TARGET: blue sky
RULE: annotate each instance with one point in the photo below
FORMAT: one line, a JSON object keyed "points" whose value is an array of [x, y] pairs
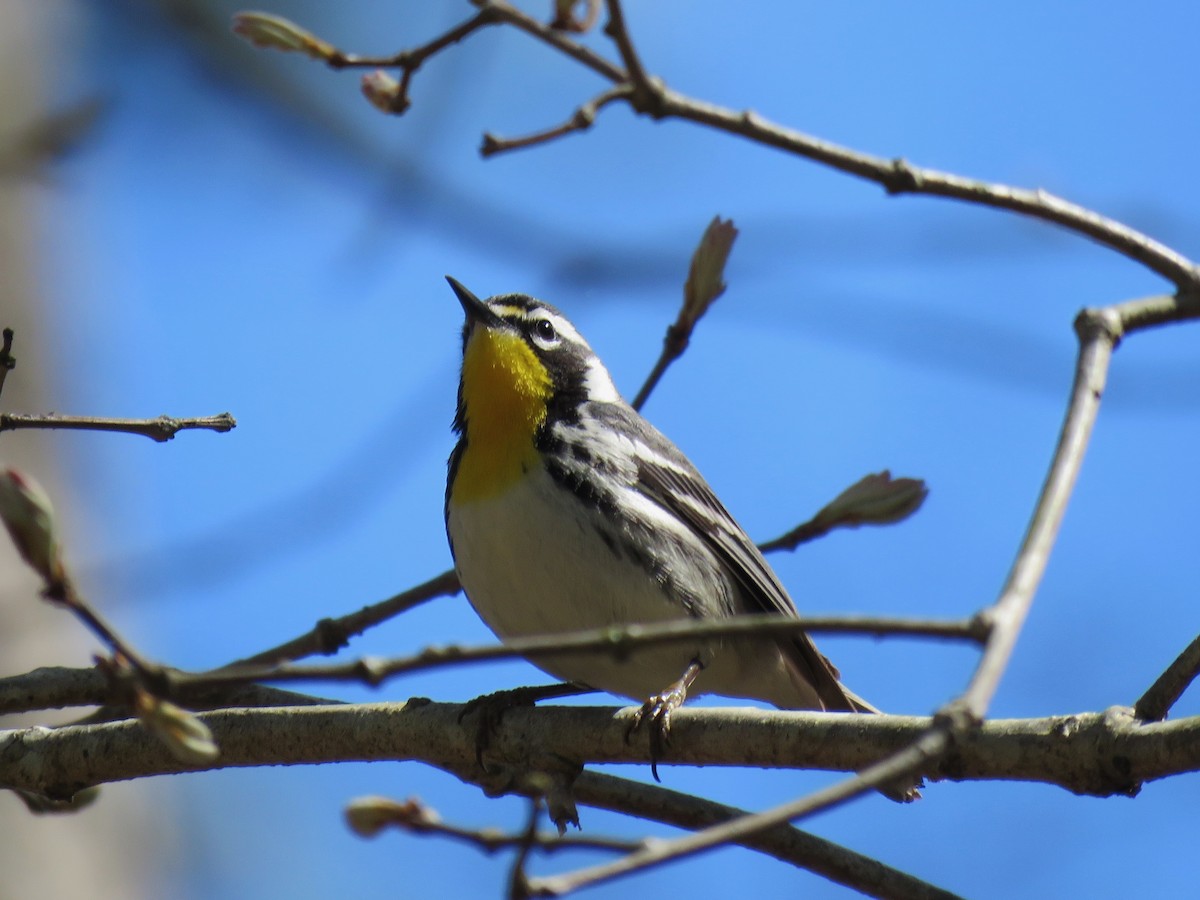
{"points": [[245, 233]]}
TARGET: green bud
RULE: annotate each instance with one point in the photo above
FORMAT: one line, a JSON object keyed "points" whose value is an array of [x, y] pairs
{"points": [[384, 92], [29, 517], [705, 281], [277, 33], [367, 816], [188, 739]]}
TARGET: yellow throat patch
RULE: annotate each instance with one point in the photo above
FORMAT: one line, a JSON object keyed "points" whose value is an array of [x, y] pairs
{"points": [[504, 388]]}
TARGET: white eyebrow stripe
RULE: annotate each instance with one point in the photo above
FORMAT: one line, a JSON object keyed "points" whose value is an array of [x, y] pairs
{"points": [[599, 384]]}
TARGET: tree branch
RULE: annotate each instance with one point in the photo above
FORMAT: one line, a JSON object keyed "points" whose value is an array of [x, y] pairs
{"points": [[618, 641], [927, 746], [784, 842], [896, 176], [1098, 333], [60, 687], [617, 30], [367, 816], [1099, 753], [163, 428], [330, 635], [581, 120], [1154, 705]]}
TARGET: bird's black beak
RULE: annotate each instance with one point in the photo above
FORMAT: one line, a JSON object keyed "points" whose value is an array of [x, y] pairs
{"points": [[477, 311]]}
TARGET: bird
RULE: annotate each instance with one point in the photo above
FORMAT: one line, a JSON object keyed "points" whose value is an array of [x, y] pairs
{"points": [[567, 510]]}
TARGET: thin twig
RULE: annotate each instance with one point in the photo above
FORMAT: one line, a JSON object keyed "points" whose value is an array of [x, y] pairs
{"points": [[7, 361], [784, 842], [163, 428], [581, 120], [618, 641], [53, 687], [330, 635], [369, 815], [64, 594], [1154, 705], [615, 640], [912, 758], [897, 176], [510, 15], [62, 687], [673, 346], [1160, 309], [518, 880], [411, 60], [1098, 331], [617, 30]]}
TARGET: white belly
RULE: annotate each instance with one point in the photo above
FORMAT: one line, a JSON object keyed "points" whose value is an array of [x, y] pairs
{"points": [[535, 584]]}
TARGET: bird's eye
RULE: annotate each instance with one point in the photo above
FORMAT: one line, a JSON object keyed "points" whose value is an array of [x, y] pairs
{"points": [[544, 329]]}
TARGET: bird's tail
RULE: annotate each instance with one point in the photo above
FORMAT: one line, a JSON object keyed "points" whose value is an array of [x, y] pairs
{"points": [[904, 791]]}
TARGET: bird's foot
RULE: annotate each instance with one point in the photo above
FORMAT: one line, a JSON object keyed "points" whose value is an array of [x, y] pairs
{"points": [[492, 707], [656, 712]]}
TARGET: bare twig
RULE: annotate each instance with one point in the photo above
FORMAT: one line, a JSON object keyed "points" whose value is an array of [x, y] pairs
{"points": [[581, 120], [369, 815], [912, 758], [411, 60], [896, 176], [163, 428], [60, 687], [1161, 309], [1154, 705], [64, 594], [650, 97], [785, 843], [510, 15], [330, 635], [518, 880], [53, 687], [616, 29], [618, 641], [1098, 332]]}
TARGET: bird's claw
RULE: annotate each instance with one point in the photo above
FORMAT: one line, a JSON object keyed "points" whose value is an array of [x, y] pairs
{"points": [[656, 713]]}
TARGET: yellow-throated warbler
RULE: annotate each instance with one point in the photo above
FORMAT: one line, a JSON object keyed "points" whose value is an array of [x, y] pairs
{"points": [[567, 510]]}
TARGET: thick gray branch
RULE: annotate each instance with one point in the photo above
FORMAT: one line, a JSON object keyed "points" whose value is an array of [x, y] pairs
{"points": [[1090, 753]]}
